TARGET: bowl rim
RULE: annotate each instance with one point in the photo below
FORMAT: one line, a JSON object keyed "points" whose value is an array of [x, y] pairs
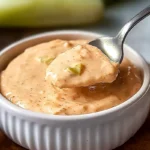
{"points": [[39, 115]]}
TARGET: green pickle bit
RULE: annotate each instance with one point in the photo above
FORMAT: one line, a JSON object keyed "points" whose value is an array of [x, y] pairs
{"points": [[77, 69], [45, 59]]}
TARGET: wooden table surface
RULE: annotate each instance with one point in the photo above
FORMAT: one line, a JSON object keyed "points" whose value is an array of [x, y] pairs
{"points": [[141, 141]]}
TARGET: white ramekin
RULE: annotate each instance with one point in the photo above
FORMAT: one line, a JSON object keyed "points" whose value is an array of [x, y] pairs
{"points": [[103, 130]]}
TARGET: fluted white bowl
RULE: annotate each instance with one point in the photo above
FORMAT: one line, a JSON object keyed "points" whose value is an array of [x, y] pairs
{"points": [[103, 130]]}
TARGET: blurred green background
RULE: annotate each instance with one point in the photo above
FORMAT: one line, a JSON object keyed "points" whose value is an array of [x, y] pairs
{"points": [[51, 13]]}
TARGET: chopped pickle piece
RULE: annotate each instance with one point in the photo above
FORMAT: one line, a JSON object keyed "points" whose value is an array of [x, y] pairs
{"points": [[45, 59], [77, 69]]}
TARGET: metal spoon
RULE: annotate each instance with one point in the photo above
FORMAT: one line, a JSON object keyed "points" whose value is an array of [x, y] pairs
{"points": [[112, 47]]}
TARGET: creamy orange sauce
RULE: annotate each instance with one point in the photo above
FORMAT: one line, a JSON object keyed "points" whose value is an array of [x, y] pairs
{"points": [[83, 65], [23, 83]]}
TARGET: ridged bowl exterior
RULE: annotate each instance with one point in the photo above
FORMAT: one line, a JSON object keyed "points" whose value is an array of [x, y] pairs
{"points": [[104, 130], [84, 135]]}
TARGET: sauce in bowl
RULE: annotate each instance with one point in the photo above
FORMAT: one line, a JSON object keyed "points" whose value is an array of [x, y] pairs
{"points": [[27, 83]]}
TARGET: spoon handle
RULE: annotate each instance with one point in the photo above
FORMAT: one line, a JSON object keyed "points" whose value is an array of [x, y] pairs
{"points": [[125, 30]]}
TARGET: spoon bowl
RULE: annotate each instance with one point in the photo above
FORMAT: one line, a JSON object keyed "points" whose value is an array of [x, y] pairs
{"points": [[112, 47]]}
